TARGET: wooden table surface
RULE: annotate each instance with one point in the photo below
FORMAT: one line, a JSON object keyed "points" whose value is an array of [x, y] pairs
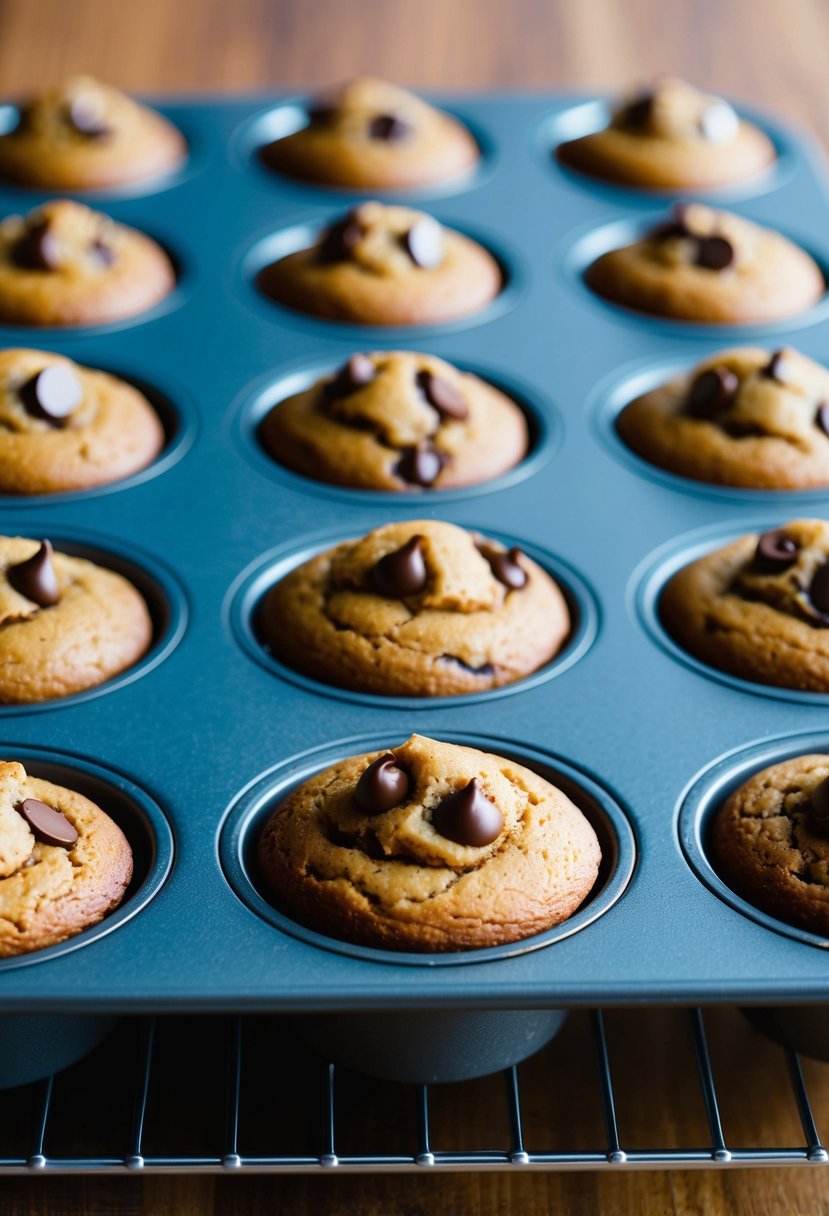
{"points": [[768, 52]]}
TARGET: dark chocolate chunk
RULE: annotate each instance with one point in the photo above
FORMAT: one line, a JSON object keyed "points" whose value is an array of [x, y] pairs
{"points": [[468, 817], [321, 112], [389, 127], [38, 248], [356, 373], [424, 243], [819, 590], [445, 398], [638, 113], [718, 123], [85, 115], [52, 394], [712, 392], [340, 239], [778, 368], [48, 825], [383, 784], [35, 578], [420, 465], [505, 566], [714, 252], [676, 226], [818, 808], [402, 572], [822, 417], [775, 551], [485, 669]]}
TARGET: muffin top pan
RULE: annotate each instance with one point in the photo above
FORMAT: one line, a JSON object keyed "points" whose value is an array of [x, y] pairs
{"points": [[199, 741]]}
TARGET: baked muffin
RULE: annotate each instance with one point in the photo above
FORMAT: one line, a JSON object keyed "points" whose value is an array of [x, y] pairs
{"points": [[710, 266], [84, 135], [420, 609], [744, 417], [770, 842], [672, 137], [393, 420], [382, 265], [758, 608], [428, 847], [64, 264], [64, 864], [67, 624], [370, 135], [65, 427]]}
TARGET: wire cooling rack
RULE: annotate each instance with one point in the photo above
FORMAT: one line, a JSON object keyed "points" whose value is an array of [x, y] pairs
{"points": [[209, 1095]]}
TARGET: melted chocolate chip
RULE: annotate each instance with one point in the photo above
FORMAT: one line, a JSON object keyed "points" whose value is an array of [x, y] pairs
{"points": [[420, 465], [819, 590], [353, 375], [485, 669], [822, 417], [778, 368], [424, 243], [35, 578], [505, 566], [383, 785], [442, 395], [52, 394], [85, 115], [38, 248], [712, 392], [340, 239], [775, 551], [468, 817], [402, 572], [638, 113], [714, 253], [676, 226], [718, 123], [818, 808], [389, 127], [48, 825]]}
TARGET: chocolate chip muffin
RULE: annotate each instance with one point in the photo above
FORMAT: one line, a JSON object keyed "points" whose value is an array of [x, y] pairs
{"points": [[759, 608], [64, 264], [710, 266], [770, 842], [745, 417], [65, 427], [393, 420], [420, 609], [370, 135], [67, 624], [383, 265], [428, 847], [84, 135], [64, 864], [672, 137]]}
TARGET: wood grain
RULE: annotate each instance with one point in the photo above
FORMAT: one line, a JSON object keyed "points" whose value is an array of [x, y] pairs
{"points": [[768, 52]]}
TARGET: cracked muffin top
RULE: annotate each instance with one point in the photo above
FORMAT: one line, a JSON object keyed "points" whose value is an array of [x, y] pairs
{"points": [[65, 427], [746, 417], [672, 137], [770, 841], [64, 864], [392, 420], [386, 265], [85, 135], [371, 135], [429, 846], [710, 266], [420, 608], [758, 608]]}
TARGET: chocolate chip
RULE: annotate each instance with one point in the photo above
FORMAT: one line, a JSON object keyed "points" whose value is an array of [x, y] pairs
{"points": [[638, 113], [677, 226], [321, 112], [38, 248], [778, 368], [505, 566], [468, 817], [718, 123], [103, 252], [48, 825], [340, 239], [402, 572], [440, 393], [24, 120], [819, 590], [355, 374], [424, 243], [52, 394], [714, 252], [822, 417], [85, 115], [383, 784], [712, 392], [420, 465], [389, 127], [775, 551], [35, 578], [818, 808]]}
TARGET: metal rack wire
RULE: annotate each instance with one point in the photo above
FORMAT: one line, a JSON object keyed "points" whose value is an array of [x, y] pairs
{"points": [[41, 1129]]}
